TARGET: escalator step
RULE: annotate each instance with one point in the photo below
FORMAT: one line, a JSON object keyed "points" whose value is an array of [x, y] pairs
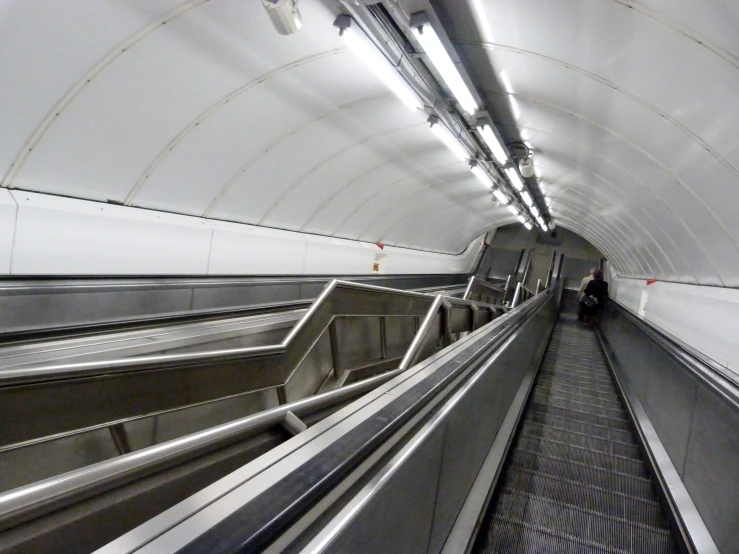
{"points": [[631, 466], [608, 533], [591, 498], [624, 483], [575, 426], [506, 536], [575, 480], [581, 440], [579, 390], [576, 405], [555, 412]]}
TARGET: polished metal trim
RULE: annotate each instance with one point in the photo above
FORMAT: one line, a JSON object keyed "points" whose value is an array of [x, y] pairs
{"points": [[689, 521], [24, 503]]}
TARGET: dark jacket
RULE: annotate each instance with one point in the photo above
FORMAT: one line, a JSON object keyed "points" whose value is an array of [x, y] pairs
{"points": [[598, 289]]}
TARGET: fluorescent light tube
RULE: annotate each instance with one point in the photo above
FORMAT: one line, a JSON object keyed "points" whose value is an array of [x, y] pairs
{"points": [[500, 195], [522, 219], [547, 201], [496, 147], [514, 178], [451, 142], [366, 51], [528, 226], [439, 57], [513, 209], [535, 211], [527, 198]]}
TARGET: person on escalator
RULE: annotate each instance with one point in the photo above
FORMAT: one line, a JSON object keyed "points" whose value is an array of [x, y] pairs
{"points": [[594, 298], [581, 292]]}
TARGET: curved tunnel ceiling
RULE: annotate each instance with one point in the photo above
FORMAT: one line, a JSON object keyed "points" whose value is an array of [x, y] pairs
{"points": [[199, 107], [629, 107]]}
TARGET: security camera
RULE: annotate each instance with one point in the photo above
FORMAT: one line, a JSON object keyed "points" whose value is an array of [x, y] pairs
{"points": [[284, 15]]}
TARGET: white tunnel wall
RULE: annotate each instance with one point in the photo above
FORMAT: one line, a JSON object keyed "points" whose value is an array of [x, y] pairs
{"points": [[43, 234], [702, 317]]}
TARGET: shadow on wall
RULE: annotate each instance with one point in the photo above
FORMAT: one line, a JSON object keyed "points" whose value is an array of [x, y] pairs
{"points": [[508, 242]]}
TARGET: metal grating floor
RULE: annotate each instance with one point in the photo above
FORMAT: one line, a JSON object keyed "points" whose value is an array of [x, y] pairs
{"points": [[574, 480]]}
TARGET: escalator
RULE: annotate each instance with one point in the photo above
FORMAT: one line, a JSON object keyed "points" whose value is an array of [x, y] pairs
{"points": [[575, 480]]}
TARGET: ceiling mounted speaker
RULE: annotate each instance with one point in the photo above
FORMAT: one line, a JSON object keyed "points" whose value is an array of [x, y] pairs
{"points": [[527, 167], [284, 15]]}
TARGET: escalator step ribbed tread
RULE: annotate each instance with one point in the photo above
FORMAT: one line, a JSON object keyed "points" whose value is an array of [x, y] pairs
{"points": [[543, 410], [541, 403], [605, 501], [581, 428], [506, 536], [576, 379], [582, 440], [560, 422], [626, 483], [576, 522], [575, 480], [577, 390], [581, 404]]}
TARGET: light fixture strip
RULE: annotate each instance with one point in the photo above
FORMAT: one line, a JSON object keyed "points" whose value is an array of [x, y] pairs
{"points": [[439, 57], [359, 43], [527, 198], [491, 139], [514, 178]]}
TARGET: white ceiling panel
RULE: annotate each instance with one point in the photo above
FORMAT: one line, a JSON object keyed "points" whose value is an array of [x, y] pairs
{"points": [[342, 205], [265, 182], [230, 136], [49, 48]]}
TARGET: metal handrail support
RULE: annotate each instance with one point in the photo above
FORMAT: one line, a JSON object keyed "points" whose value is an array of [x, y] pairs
{"points": [[561, 265], [525, 277], [507, 288], [517, 295], [482, 283], [551, 269], [538, 287]]}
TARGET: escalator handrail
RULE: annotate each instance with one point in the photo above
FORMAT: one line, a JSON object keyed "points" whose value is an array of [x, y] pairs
{"points": [[30, 501], [696, 363], [17, 287], [64, 371], [142, 323]]}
